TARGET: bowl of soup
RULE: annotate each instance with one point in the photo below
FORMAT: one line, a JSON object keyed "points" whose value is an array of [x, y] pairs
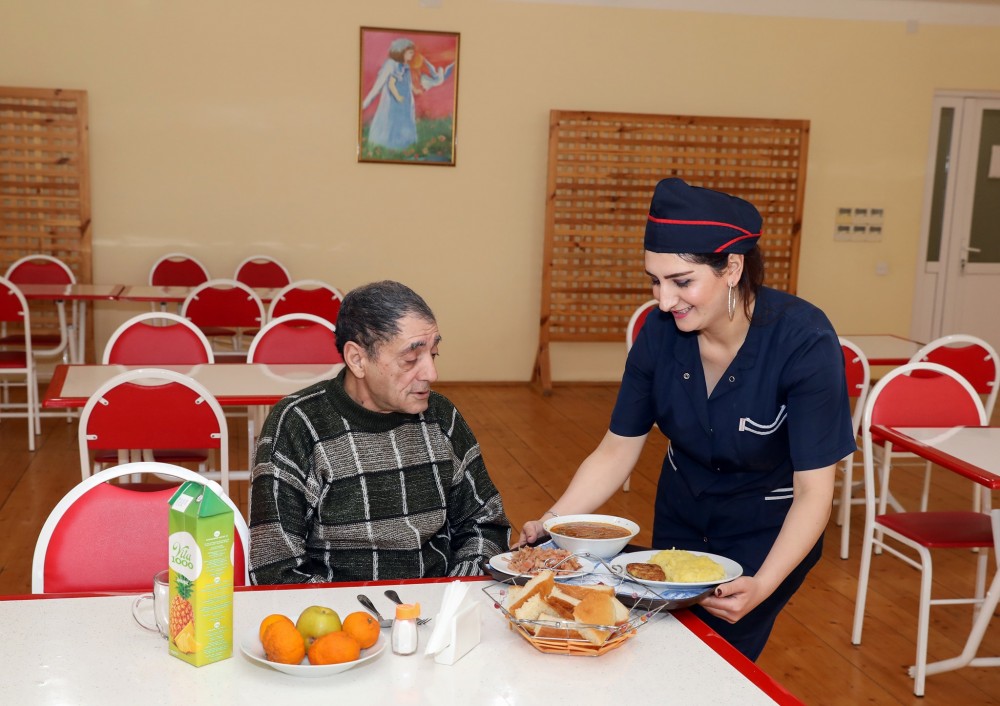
{"points": [[603, 536]]}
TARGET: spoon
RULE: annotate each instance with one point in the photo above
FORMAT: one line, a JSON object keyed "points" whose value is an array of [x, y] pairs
{"points": [[394, 597], [383, 622]]}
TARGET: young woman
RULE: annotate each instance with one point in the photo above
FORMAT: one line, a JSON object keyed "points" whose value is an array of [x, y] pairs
{"points": [[748, 384]]}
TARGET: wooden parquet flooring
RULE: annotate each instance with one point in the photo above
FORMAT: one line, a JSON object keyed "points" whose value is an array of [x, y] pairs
{"points": [[532, 445]]}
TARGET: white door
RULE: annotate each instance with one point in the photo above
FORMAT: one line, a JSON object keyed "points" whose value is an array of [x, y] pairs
{"points": [[958, 278]]}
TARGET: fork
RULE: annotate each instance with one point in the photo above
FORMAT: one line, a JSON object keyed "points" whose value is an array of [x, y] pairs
{"points": [[394, 597], [383, 622]]}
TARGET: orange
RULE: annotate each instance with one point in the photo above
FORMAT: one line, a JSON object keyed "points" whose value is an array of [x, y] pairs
{"points": [[362, 627], [283, 643], [270, 619], [334, 648]]}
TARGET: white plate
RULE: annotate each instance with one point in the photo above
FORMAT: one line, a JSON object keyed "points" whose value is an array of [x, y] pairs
{"points": [[501, 562], [255, 653], [732, 569]]}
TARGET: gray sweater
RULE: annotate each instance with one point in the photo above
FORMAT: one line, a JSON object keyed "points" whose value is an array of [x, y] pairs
{"points": [[341, 493]]}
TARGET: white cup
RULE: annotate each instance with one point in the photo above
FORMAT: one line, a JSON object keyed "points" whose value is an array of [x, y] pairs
{"points": [[161, 605]]}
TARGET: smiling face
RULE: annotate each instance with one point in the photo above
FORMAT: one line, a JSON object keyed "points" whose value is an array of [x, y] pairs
{"points": [[398, 377], [696, 295]]}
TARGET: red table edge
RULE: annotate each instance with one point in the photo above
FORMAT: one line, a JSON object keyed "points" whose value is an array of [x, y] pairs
{"points": [[54, 401], [754, 674], [112, 296], [941, 458]]}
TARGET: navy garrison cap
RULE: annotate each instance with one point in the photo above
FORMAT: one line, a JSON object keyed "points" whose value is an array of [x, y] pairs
{"points": [[690, 219]]}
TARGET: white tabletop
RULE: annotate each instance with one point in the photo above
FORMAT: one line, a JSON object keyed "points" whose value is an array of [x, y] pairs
{"points": [[231, 383], [89, 651], [978, 447], [884, 349]]}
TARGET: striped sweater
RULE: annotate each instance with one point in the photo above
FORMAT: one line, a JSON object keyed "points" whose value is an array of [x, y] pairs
{"points": [[341, 493]]}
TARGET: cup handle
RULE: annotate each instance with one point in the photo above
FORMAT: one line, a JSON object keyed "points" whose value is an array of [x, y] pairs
{"points": [[135, 615]]}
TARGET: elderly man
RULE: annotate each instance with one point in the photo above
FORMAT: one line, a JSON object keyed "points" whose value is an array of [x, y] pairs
{"points": [[372, 475]]}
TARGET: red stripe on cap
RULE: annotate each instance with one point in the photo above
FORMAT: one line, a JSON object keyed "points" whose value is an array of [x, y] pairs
{"points": [[736, 240], [703, 223]]}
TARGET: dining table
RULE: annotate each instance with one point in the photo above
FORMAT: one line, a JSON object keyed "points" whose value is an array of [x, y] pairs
{"points": [[87, 649], [232, 384], [885, 349], [175, 294], [80, 294], [973, 453]]}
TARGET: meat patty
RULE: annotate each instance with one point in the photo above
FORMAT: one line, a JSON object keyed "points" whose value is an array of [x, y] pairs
{"points": [[646, 572]]}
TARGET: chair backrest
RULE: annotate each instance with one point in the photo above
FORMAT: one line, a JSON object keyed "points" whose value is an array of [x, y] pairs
{"points": [[223, 302], [295, 338], [178, 269], [105, 537], [635, 323], [262, 271], [40, 269], [307, 296], [158, 338], [858, 375], [153, 409], [14, 309], [971, 357]]}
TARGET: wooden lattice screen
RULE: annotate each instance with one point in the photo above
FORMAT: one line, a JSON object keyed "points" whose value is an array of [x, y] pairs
{"points": [[601, 174], [45, 182]]}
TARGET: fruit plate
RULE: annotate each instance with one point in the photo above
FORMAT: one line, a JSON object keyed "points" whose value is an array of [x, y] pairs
{"points": [[254, 651]]}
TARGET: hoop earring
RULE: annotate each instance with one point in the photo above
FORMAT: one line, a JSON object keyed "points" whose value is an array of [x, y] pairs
{"points": [[731, 301]]}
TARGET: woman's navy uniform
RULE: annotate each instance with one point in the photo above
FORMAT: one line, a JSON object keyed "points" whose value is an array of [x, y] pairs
{"points": [[726, 483]]}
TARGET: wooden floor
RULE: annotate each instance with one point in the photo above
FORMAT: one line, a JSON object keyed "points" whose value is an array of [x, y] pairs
{"points": [[532, 444]]}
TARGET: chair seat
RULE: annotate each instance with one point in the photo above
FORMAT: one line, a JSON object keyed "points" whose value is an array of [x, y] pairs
{"points": [[211, 331], [13, 359], [941, 530], [109, 456]]}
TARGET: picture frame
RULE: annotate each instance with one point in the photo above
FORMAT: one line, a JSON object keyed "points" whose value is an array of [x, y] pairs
{"points": [[408, 96]]}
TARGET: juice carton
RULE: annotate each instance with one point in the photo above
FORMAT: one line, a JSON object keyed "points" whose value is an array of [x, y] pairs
{"points": [[201, 575]]}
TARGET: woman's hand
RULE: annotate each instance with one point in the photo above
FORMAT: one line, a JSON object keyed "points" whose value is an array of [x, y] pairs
{"points": [[531, 533], [731, 601]]}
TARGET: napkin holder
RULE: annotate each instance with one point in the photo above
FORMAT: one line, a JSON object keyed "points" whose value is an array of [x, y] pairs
{"points": [[464, 635]]}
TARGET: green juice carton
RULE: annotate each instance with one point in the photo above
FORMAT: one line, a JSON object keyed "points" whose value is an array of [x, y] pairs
{"points": [[201, 575]]}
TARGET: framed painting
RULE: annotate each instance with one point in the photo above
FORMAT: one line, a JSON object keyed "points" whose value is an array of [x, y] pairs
{"points": [[408, 98]]}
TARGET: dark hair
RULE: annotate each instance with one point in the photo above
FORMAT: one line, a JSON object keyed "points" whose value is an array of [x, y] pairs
{"points": [[370, 314], [753, 271]]}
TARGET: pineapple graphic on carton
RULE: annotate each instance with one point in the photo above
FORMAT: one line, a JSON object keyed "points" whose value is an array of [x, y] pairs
{"points": [[201, 575]]}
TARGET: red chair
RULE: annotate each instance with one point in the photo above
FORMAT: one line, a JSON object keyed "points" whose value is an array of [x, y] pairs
{"points": [[261, 271], [920, 395], [858, 384], [45, 269], [224, 308], [296, 338], [157, 339], [149, 410], [635, 323], [19, 363], [105, 537], [976, 361], [178, 269], [307, 296]]}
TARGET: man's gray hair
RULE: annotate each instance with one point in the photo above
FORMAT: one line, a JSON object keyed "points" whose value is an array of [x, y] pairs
{"points": [[370, 314]]}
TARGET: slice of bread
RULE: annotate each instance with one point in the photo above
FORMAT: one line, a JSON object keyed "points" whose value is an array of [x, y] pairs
{"points": [[595, 609], [581, 592], [562, 603], [531, 608], [541, 584], [548, 631]]}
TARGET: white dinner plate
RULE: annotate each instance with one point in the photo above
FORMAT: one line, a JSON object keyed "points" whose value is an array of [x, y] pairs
{"points": [[732, 569], [501, 562], [255, 653]]}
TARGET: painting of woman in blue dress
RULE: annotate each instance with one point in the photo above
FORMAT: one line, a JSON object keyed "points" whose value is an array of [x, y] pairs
{"points": [[406, 123]]}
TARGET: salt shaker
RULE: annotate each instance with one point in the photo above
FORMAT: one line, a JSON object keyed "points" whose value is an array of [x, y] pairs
{"points": [[404, 629]]}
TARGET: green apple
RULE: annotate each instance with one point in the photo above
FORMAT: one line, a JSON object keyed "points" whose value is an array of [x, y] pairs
{"points": [[315, 622]]}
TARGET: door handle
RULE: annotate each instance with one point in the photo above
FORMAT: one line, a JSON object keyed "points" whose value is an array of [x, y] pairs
{"points": [[962, 261]]}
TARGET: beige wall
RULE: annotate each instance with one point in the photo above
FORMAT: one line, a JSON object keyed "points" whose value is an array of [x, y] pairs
{"points": [[229, 128]]}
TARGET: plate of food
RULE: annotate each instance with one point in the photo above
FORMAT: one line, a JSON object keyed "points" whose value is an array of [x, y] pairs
{"points": [[254, 651], [528, 561], [676, 568]]}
